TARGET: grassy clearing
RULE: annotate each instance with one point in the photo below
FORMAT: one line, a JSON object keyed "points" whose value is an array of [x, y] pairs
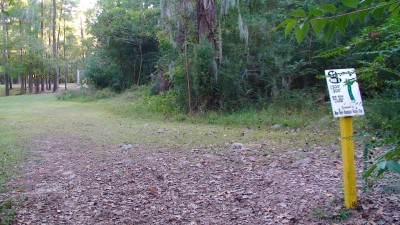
{"points": [[126, 118], [154, 121]]}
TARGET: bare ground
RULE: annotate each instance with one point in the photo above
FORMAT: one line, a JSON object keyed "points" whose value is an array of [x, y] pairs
{"points": [[66, 183]]}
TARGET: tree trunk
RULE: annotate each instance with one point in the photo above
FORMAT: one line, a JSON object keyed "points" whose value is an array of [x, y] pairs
{"points": [[66, 77], [42, 85], [25, 84], [141, 63], [42, 81], [30, 80], [59, 26], [55, 55], [37, 85], [22, 85], [49, 82], [187, 77], [5, 60], [66, 65], [83, 48], [206, 23]]}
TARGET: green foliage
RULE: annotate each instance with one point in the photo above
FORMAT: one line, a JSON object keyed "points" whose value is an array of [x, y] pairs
{"points": [[127, 48], [85, 95], [320, 17], [388, 161], [140, 102], [384, 115], [340, 215], [204, 76], [102, 71]]}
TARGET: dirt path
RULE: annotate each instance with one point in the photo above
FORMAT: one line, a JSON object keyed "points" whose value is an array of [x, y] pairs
{"points": [[75, 179], [106, 186]]}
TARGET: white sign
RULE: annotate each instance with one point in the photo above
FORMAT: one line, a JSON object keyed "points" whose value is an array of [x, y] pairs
{"points": [[344, 92]]}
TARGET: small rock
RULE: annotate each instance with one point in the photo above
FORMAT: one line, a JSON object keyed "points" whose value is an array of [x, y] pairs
{"points": [[98, 215], [276, 127], [126, 147], [282, 204], [237, 145], [245, 212], [161, 130]]}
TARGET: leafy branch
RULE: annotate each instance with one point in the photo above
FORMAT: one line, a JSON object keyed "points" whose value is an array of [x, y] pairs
{"points": [[319, 19]]}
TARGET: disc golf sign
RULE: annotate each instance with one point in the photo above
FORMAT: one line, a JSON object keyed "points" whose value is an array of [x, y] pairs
{"points": [[346, 102], [344, 92]]}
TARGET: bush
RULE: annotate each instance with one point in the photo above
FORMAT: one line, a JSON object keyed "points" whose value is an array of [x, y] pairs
{"points": [[103, 72], [204, 76], [383, 113], [383, 116], [294, 100]]}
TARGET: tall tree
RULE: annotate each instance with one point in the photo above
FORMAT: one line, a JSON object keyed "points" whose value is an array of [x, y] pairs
{"points": [[206, 22], [5, 57], [55, 53]]}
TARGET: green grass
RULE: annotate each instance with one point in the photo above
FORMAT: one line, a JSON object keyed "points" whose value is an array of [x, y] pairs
{"points": [[335, 216], [85, 95], [136, 103]]}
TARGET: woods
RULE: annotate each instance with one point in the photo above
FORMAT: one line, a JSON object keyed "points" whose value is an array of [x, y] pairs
{"points": [[34, 34], [210, 55], [228, 55]]}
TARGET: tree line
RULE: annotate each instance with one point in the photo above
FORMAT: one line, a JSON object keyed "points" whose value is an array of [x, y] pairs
{"points": [[41, 44], [227, 54], [203, 54]]}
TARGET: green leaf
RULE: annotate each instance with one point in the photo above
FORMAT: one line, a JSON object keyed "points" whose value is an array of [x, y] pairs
{"points": [[316, 11], [393, 166], [380, 172], [301, 31], [289, 27], [394, 9], [318, 24], [6, 13], [353, 17], [369, 172], [350, 3], [298, 13], [329, 31], [381, 165], [366, 2], [378, 13], [363, 14], [342, 23], [283, 24], [329, 8]]}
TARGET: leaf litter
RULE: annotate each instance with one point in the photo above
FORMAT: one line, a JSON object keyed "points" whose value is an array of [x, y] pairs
{"points": [[129, 183]]}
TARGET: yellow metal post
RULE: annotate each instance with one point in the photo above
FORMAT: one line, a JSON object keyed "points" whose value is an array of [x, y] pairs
{"points": [[349, 170]]}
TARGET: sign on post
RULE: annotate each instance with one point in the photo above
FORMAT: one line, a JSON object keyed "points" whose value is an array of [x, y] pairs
{"points": [[344, 92], [346, 102]]}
